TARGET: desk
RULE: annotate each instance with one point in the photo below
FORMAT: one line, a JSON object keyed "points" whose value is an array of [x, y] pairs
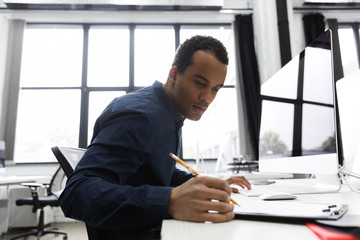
{"points": [[11, 179], [246, 229], [6, 180]]}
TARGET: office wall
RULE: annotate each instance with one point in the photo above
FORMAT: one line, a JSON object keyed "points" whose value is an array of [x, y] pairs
{"points": [[3, 47], [11, 81], [3, 50]]}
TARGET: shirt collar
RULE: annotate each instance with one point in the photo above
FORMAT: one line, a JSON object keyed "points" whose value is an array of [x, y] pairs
{"points": [[160, 92]]}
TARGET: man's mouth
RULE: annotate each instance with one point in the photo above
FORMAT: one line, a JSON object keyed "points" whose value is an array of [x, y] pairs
{"points": [[200, 108]]}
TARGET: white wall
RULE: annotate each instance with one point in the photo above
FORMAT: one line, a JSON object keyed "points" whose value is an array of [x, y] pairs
{"points": [[3, 50]]}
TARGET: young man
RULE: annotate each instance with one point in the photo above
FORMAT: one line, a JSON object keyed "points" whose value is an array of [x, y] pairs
{"points": [[126, 182]]}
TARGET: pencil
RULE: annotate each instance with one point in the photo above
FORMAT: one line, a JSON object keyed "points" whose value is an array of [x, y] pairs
{"points": [[193, 171]]}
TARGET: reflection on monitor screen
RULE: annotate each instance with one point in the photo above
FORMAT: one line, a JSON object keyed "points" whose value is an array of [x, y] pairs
{"points": [[297, 132]]}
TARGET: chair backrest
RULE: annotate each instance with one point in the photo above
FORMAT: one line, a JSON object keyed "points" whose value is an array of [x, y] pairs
{"points": [[57, 183], [68, 157]]}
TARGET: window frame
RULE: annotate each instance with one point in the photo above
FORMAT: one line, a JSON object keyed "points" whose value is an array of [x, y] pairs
{"points": [[86, 90]]}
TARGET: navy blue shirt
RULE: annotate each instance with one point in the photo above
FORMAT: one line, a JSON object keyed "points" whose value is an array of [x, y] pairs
{"points": [[124, 180]]}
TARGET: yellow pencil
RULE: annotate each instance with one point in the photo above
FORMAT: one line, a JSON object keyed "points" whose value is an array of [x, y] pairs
{"points": [[193, 171]]}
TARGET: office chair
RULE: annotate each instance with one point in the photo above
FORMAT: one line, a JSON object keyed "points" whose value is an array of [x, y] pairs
{"points": [[68, 158], [39, 202]]}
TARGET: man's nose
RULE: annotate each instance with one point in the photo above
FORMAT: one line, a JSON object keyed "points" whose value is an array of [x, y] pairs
{"points": [[207, 96]]}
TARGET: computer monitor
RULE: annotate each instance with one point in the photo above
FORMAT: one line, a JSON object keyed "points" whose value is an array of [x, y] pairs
{"points": [[298, 124], [348, 89]]}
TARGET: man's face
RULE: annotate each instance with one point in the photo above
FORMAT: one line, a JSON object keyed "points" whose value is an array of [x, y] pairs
{"points": [[196, 88]]}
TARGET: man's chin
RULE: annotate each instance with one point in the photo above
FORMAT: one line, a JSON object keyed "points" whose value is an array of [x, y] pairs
{"points": [[194, 117]]}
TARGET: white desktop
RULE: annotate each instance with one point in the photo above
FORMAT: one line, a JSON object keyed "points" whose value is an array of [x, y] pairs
{"points": [[257, 229]]}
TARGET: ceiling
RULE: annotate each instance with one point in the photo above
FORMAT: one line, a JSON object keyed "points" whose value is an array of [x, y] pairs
{"points": [[126, 5], [163, 5]]}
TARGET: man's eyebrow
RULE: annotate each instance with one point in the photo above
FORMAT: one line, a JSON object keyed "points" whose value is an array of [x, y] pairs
{"points": [[204, 78]]}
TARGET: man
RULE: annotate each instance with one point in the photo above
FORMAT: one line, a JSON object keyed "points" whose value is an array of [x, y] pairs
{"points": [[126, 182]]}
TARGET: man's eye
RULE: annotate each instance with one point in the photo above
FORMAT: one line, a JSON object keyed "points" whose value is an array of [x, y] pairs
{"points": [[200, 83]]}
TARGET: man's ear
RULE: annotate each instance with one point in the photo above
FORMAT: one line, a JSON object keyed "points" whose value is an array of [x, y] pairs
{"points": [[173, 73]]}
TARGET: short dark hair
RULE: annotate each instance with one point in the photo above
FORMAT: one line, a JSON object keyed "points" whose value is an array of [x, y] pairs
{"points": [[185, 52]]}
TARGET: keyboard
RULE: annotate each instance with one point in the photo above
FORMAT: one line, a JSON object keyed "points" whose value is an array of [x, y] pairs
{"points": [[257, 191]]}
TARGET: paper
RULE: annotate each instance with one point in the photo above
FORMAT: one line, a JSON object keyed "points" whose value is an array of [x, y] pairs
{"points": [[291, 209]]}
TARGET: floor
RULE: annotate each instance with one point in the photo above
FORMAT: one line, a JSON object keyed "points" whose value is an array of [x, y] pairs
{"points": [[75, 231]]}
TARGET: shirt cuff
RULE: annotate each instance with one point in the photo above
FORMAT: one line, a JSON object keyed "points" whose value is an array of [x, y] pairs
{"points": [[158, 201]]}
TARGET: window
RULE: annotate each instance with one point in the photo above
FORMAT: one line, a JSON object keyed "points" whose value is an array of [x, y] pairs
{"points": [[98, 100], [52, 57], [108, 60], [201, 138], [49, 99], [71, 72], [349, 38], [151, 41], [46, 117]]}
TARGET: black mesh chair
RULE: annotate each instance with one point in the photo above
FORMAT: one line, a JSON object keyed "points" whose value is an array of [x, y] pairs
{"points": [[39, 202], [68, 158]]}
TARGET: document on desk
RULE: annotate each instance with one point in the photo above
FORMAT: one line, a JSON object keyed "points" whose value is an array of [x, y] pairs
{"points": [[292, 210]]}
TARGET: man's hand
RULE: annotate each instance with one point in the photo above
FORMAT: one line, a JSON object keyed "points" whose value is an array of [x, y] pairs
{"points": [[240, 181], [193, 200]]}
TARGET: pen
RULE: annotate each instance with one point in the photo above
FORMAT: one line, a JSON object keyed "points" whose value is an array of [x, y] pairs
{"points": [[193, 171]]}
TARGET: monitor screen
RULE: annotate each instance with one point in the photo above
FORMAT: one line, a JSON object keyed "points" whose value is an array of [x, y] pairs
{"points": [[297, 130]]}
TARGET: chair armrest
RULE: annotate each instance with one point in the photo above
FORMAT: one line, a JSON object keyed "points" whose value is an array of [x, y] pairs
{"points": [[37, 185], [34, 193], [47, 186]]}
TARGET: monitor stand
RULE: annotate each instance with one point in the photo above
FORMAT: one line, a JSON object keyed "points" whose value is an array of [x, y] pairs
{"points": [[321, 183], [353, 179]]}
